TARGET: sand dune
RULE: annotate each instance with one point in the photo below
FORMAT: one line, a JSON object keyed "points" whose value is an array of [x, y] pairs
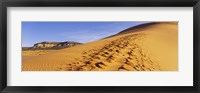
{"points": [[145, 48]]}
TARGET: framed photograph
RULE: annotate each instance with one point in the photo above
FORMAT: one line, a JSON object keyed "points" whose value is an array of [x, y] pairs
{"points": [[133, 46]]}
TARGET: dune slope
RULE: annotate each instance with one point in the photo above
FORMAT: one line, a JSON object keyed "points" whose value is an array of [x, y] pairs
{"points": [[146, 48]]}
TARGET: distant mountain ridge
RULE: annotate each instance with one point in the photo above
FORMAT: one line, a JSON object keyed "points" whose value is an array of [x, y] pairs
{"points": [[52, 45]]}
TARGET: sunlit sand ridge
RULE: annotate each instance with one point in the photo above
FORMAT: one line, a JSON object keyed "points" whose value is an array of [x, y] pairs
{"points": [[151, 47]]}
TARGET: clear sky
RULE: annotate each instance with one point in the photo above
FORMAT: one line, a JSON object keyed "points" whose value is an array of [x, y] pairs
{"points": [[83, 32]]}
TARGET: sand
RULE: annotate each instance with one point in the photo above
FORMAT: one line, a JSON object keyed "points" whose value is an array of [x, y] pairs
{"points": [[150, 48]]}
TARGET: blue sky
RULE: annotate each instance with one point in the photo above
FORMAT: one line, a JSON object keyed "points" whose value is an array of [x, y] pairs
{"points": [[83, 32]]}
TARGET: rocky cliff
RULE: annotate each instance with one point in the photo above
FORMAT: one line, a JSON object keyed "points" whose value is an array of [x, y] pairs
{"points": [[54, 45]]}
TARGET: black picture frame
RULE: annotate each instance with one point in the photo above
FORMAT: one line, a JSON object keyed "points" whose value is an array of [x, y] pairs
{"points": [[99, 3]]}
